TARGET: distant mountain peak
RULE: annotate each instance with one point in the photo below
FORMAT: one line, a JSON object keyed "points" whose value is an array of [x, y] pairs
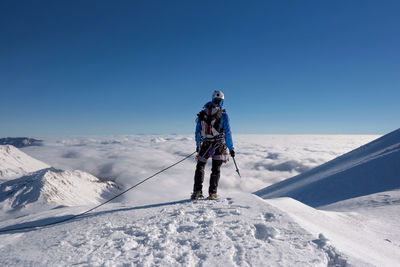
{"points": [[15, 163], [20, 141], [27, 181], [55, 187]]}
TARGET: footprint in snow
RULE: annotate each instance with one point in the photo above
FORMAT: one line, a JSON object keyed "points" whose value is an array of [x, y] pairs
{"points": [[235, 212], [269, 217], [185, 228], [264, 232], [230, 201], [178, 212], [322, 241]]}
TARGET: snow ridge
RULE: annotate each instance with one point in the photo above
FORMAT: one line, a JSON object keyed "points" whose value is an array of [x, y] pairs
{"points": [[372, 168], [30, 182], [54, 187]]}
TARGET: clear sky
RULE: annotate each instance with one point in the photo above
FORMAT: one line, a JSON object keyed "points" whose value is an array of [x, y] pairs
{"points": [[129, 67]]}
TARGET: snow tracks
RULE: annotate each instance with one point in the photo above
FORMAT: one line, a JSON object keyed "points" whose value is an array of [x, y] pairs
{"points": [[241, 230]]}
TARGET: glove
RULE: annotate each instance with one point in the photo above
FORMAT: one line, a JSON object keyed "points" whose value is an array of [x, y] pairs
{"points": [[232, 152], [197, 149]]}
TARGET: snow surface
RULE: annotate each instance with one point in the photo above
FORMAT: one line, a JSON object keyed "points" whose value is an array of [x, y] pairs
{"points": [[53, 187], [359, 194], [15, 163], [155, 224], [347, 232], [241, 230], [372, 168]]}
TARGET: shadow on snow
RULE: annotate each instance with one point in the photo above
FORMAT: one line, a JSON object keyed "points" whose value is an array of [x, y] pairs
{"points": [[51, 221]]}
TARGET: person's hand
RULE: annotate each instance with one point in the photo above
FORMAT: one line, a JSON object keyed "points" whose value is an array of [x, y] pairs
{"points": [[232, 152], [197, 149]]}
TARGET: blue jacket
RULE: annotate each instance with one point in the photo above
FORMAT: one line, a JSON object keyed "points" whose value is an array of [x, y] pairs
{"points": [[224, 125]]}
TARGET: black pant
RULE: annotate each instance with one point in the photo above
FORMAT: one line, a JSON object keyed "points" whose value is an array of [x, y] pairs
{"points": [[214, 178], [215, 169]]}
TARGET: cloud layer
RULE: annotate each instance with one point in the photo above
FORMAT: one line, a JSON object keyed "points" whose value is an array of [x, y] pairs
{"points": [[262, 159]]}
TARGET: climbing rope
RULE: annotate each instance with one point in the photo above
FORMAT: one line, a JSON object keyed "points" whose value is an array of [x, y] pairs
{"points": [[98, 206]]}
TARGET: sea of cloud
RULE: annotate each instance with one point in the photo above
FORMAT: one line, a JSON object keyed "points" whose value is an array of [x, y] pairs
{"points": [[262, 159]]}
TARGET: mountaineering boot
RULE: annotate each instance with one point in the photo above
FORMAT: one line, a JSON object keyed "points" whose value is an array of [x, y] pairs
{"points": [[212, 196], [196, 195]]}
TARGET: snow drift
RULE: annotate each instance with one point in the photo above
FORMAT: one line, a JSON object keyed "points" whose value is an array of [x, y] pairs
{"points": [[15, 163], [372, 168]]}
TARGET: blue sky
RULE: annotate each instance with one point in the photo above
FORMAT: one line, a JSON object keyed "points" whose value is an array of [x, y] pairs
{"points": [[129, 67]]}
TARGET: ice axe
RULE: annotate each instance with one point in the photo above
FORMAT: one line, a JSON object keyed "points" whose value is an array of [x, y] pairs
{"points": [[237, 169]]}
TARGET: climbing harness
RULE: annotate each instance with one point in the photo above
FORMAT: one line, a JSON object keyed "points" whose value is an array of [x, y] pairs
{"points": [[212, 147]]}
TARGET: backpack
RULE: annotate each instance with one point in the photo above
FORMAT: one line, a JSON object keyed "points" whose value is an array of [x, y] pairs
{"points": [[210, 121]]}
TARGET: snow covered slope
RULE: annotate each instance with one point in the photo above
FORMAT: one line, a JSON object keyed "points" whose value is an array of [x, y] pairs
{"points": [[351, 233], [15, 163], [30, 182], [380, 213], [241, 230], [372, 168], [54, 187]]}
